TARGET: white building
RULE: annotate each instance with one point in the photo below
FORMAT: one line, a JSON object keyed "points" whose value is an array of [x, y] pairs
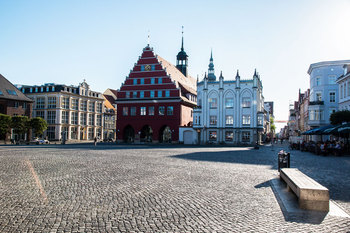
{"points": [[344, 89], [73, 112], [230, 111], [324, 93]]}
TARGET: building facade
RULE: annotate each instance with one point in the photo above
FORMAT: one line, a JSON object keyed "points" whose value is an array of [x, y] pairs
{"points": [[344, 89], [229, 111], [110, 117], [155, 99], [324, 91], [13, 103], [72, 112]]}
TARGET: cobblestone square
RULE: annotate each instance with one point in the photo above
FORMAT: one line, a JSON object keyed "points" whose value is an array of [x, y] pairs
{"points": [[119, 188]]}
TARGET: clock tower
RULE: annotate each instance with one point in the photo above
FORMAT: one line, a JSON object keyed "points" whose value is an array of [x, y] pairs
{"points": [[182, 59]]}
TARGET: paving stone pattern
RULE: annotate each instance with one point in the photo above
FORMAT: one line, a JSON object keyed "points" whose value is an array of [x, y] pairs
{"points": [[157, 189]]}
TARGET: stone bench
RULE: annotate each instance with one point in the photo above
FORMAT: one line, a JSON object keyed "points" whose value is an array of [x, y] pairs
{"points": [[311, 195]]}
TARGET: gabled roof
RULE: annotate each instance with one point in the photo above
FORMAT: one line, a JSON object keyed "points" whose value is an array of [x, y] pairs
{"points": [[187, 84], [6, 86], [109, 101]]}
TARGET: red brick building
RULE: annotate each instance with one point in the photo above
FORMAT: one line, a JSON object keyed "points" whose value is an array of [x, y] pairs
{"points": [[155, 99], [13, 103]]}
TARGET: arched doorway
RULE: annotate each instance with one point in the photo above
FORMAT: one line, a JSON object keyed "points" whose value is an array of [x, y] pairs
{"points": [[146, 134], [129, 134], [165, 134]]}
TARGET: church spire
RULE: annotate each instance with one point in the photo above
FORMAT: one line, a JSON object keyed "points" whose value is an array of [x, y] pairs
{"points": [[211, 72], [182, 58]]}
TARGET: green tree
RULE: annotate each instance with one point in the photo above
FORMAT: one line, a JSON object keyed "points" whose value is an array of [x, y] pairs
{"points": [[272, 125], [339, 117], [39, 125], [20, 124], [5, 122]]}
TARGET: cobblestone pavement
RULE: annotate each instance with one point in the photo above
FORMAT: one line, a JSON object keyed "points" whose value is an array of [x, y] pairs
{"points": [[81, 188]]}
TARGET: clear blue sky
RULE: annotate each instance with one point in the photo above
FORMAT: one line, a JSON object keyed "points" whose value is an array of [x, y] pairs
{"points": [[66, 41]]}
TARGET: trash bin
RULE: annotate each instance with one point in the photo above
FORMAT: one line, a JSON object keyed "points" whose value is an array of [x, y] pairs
{"points": [[283, 160]]}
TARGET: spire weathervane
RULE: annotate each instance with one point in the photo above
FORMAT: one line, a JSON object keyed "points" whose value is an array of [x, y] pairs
{"points": [[148, 39], [182, 45]]}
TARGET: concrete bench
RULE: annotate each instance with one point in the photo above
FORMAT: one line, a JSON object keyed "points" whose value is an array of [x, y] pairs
{"points": [[311, 195]]}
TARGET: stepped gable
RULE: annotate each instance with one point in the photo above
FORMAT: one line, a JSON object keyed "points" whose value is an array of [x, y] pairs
{"points": [[7, 85]]}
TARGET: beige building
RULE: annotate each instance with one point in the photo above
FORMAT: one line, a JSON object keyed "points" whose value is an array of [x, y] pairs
{"points": [[72, 112]]}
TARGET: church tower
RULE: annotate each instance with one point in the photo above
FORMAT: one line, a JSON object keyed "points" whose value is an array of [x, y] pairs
{"points": [[182, 59], [211, 75]]}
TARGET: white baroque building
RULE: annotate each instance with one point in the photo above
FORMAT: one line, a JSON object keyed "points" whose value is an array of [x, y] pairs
{"points": [[344, 89], [229, 111]]}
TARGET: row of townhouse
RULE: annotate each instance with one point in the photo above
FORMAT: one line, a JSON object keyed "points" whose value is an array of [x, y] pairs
{"points": [[329, 92]]}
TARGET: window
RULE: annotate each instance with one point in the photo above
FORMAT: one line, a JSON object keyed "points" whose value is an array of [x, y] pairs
{"points": [[135, 81], [65, 102], [31, 90], [160, 81], [16, 104], [212, 135], [40, 103], [348, 88], [332, 79], [142, 81], [142, 94], [142, 68], [134, 94], [99, 120], [229, 136], [260, 120], [47, 89], [319, 96], [246, 119], [75, 104], [41, 89], [24, 105], [246, 102], [36, 89], [229, 103], [213, 103], [127, 94], [332, 97], [143, 111], [167, 93], [318, 81], [40, 114], [153, 67], [213, 120], [160, 93], [74, 118], [170, 111], [91, 119], [133, 111], [53, 88], [65, 117], [51, 102], [51, 132], [83, 105], [318, 115], [229, 120], [152, 94], [125, 111], [245, 136], [152, 80], [151, 111], [51, 117], [91, 133], [91, 106], [74, 133], [11, 92], [161, 110], [83, 118]]}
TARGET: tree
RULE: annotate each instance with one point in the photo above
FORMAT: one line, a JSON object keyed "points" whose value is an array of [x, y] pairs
{"points": [[339, 117], [20, 124], [5, 122], [272, 125], [39, 125]]}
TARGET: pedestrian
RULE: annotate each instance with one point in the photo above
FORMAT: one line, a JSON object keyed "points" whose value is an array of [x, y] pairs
{"points": [[95, 141]]}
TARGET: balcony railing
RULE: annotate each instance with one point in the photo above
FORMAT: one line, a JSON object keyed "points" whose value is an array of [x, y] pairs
{"points": [[316, 102]]}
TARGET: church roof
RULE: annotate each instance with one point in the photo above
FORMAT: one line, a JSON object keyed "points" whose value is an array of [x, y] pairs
{"points": [[9, 91], [187, 84]]}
